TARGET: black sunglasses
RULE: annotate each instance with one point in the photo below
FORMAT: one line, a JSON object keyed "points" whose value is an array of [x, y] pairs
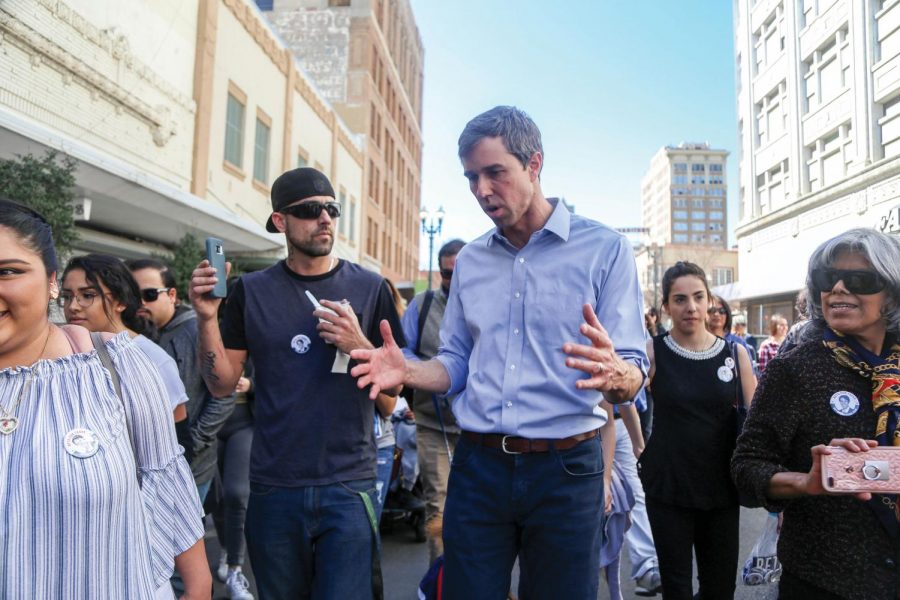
{"points": [[717, 310], [447, 273], [856, 282], [152, 294], [312, 210]]}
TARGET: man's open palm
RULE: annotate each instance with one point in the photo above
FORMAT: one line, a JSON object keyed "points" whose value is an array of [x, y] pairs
{"points": [[382, 368]]}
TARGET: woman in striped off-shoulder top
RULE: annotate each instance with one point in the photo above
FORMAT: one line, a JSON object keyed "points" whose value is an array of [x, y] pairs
{"points": [[96, 500]]}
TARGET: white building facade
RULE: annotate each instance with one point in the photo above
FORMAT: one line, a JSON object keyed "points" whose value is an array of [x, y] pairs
{"points": [[818, 89]]}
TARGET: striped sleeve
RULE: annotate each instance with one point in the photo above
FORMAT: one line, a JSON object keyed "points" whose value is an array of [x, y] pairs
{"points": [[173, 513]]}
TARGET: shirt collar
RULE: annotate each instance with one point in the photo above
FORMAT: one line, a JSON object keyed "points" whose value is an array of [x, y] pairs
{"points": [[559, 223]]}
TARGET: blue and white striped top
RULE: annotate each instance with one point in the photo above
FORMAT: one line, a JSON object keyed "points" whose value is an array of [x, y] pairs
{"points": [[83, 527]]}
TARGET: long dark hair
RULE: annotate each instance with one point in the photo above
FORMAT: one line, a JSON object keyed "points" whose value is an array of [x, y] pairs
{"points": [[681, 269], [112, 273], [721, 301]]}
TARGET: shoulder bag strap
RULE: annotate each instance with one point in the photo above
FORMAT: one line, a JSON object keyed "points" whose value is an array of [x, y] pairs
{"points": [[423, 316], [106, 360]]}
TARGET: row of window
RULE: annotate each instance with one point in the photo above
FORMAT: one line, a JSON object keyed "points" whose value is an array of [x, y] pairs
{"points": [[714, 215], [697, 238], [698, 203], [695, 226], [688, 191], [696, 168]]}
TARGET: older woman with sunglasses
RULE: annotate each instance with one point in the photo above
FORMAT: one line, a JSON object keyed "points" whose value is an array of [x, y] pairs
{"points": [[839, 387], [95, 498]]}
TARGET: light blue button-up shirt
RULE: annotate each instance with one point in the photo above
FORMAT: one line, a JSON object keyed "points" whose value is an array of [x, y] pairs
{"points": [[511, 310]]}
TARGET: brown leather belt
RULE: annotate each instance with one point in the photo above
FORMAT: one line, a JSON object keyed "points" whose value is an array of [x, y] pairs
{"points": [[512, 444]]}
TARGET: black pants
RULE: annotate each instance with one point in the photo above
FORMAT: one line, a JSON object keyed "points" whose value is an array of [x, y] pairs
{"points": [[794, 588], [712, 534]]}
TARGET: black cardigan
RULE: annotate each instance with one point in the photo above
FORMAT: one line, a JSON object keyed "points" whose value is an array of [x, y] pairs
{"points": [[833, 542]]}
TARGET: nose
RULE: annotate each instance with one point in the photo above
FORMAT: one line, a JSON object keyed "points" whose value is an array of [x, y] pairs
{"points": [[481, 187]]}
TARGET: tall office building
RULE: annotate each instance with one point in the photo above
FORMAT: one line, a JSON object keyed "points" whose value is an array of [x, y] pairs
{"points": [[684, 213], [818, 85], [367, 59]]}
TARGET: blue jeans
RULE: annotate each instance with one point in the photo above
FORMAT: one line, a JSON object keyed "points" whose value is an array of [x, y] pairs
{"points": [[385, 459], [545, 508], [311, 542]]}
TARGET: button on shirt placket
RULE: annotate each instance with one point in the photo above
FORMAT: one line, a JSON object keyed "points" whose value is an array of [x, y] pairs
{"points": [[514, 344]]}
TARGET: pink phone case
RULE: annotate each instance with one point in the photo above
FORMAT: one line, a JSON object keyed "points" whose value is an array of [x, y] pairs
{"points": [[877, 470]]}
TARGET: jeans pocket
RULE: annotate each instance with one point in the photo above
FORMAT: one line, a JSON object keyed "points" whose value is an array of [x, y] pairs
{"points": [[354, 487], [462, 454], [585, 459], [261, 489]]}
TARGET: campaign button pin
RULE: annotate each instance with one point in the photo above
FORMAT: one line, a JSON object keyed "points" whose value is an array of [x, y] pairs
{"points": [[300, 344], [81, 443], [729, 362], [725, 374], [844, 403]]}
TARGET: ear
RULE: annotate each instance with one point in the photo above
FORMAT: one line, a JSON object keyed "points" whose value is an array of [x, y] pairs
{"points": [[172, 293], [54, 286], [279, 221], [535, 164]]}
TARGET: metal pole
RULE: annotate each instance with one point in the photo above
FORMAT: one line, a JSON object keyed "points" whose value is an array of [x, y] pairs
{"points": [[430, 253]]}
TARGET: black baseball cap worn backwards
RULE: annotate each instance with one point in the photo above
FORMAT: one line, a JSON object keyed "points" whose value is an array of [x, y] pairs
{"points": [[297, 184]]}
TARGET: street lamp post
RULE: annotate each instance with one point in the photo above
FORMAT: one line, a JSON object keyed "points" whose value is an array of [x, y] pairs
{"points": [[431, 226]]}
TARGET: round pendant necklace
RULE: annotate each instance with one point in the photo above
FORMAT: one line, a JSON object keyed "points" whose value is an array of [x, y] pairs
{"points": [[8, 420]]}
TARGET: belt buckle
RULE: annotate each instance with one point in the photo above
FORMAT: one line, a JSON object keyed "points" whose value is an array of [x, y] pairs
{"points": [[503, 445]]}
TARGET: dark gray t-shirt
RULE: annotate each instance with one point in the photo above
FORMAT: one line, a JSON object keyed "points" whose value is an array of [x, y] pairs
{"points": [[313, 427]]}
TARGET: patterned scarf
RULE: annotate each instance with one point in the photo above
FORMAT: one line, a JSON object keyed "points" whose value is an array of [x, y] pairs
{"points": [[884, 373]]}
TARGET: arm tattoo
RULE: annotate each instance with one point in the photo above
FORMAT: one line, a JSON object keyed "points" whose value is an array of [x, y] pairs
{"points": [[209, 366]]}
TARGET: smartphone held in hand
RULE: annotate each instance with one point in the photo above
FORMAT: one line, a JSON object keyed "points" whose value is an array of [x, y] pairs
{"points": [[215, 254], [876, 471]]}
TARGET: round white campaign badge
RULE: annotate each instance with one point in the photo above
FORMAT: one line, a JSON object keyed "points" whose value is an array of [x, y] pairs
{"points": [[844, 403], [300, 344], [725, 374], [729, 362], [81, 443]]}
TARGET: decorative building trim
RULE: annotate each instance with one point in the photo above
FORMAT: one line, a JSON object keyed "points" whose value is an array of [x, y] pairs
{"points": [[43, 51], [352, 149], [259, 31], [204, 78], [287, 157]]}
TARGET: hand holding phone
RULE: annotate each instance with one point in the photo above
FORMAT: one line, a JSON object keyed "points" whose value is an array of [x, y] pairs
{"points": [[876, 471], [215, 254]]}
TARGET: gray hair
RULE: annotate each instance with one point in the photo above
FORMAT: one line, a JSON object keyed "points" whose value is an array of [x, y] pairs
{"points": [[519, 133], [880, 249]]}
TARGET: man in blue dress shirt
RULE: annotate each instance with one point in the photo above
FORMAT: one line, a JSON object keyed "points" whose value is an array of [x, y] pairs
{"points": [[527, 474]]}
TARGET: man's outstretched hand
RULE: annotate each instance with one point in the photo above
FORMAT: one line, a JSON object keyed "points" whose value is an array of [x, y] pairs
{"points": [[384, 369]]}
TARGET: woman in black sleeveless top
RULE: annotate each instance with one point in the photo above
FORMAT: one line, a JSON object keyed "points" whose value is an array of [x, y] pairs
{"points": [[685, 468]]}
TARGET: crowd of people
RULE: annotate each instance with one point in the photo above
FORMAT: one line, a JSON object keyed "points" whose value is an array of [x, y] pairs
{"points": [[545, 416]]}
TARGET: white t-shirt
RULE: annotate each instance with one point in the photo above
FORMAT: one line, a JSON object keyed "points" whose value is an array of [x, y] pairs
{"points": [[167, 368]]}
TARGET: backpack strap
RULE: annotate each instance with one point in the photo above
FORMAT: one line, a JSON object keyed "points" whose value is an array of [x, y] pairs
{"points": [[423, 316], [106, 360]]}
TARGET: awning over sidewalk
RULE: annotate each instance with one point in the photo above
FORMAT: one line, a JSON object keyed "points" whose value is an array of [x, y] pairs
{"points": [[132, 203]]}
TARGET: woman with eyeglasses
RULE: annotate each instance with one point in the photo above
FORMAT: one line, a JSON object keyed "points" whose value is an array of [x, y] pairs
{"points": [[839, 387], [100, 294], [697, 379], [778, 328], [95, 498]]}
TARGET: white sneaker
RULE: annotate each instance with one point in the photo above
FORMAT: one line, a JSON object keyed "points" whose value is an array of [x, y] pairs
{"points": [[222, 569], [237, 587], [648, 584]]}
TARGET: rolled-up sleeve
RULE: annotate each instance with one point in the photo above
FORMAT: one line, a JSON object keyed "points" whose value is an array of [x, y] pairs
{"points": [[172, 508], [765, 444], [619, 307]]}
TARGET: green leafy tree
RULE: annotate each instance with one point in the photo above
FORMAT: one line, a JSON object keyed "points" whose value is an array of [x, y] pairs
{"points": [[46, 184], [185, 256]]}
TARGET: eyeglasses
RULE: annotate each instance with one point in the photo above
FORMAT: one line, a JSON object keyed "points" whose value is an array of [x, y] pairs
{"points": [[717, 310], [152, 294], [312, 210], [856, 282], [84, 299], [447, 273]]}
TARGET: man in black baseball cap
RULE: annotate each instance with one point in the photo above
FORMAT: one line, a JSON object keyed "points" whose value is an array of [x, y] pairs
{"points": [[312, 463]]}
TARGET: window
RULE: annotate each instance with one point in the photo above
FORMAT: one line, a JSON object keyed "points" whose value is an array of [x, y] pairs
{"points": [[716, 215], [887, 32], [679, 226], [698, 214], [827, 71], [352, 225], [773, 186], [715, 168], [679, 202], [890, 127], [695, 226], [680, 238], [723, 275], [679, 167], [680, 214], [698, 168], [697, 203], [234, 128], [698, 180], [714, 203], [698, 238], [699, 191], [679, 179], [302, 158], [342, 222], [716, 227], [715, 179], [829, 158], [771, 115], [768, 40], [261, 149]]}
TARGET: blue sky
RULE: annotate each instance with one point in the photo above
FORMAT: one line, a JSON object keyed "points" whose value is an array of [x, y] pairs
{"points": [[608, 82]]}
